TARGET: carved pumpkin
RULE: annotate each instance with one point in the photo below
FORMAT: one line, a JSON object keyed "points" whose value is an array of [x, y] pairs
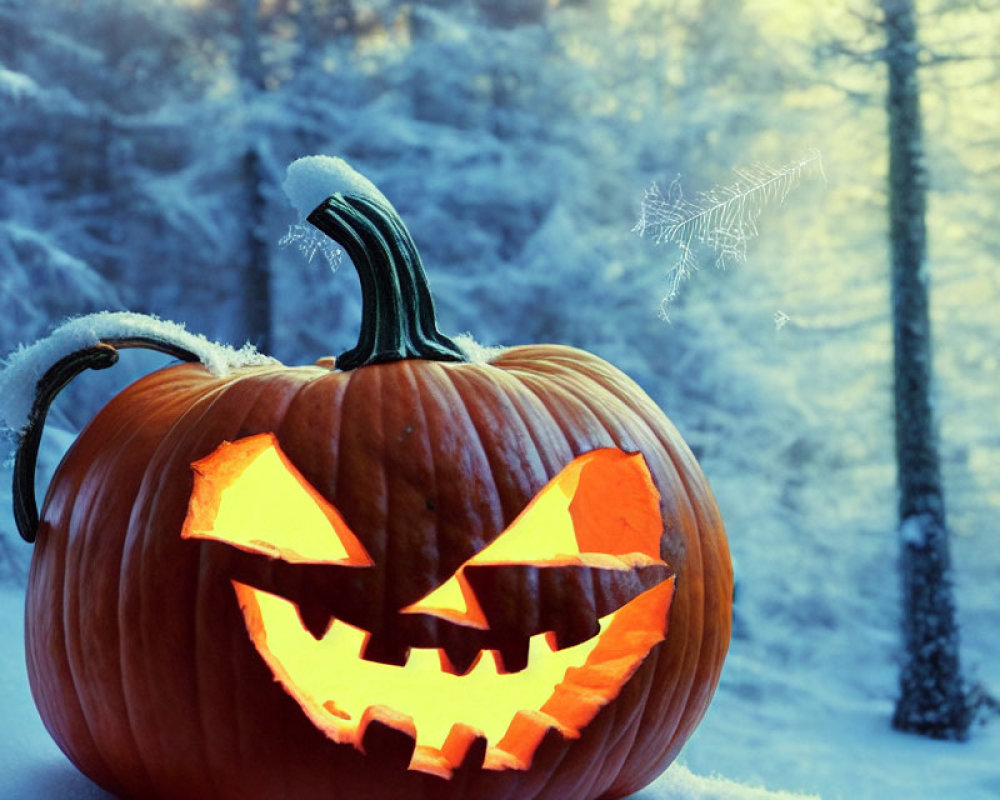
{"points": [[396, 575]]}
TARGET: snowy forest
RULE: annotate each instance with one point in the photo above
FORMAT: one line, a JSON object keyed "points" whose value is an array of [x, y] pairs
{"points": [[143, 144]]}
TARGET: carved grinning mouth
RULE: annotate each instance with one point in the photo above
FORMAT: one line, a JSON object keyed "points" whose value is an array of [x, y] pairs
{"points": [[353, 700], [536, 631]]}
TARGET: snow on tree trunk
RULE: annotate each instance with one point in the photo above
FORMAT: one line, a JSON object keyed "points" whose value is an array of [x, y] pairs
{"points": [[932, 699]]}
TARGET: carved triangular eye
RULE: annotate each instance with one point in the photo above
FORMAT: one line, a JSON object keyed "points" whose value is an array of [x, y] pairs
{"points": [[248, 494], [601, 511]]}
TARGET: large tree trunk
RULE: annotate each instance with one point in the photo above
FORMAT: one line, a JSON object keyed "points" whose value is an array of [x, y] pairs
{"points": [[258, 306], [932, 698]]}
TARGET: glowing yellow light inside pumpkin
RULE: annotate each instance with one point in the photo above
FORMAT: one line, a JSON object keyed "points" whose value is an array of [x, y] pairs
{"points": [[601, 511], [249, 495], [564, 689], [331, 669]]}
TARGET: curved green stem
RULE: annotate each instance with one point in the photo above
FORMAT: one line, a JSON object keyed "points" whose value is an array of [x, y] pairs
{"points": [[98, 356], [397, 317]]}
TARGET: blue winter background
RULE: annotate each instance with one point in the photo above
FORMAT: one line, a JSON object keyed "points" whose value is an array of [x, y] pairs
{"points": [[142, 148]]}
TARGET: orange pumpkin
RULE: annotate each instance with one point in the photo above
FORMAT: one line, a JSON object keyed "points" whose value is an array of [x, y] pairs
{"points": [[393, 575]]}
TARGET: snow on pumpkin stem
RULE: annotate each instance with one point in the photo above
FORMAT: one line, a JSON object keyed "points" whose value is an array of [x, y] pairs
{"points": [[312, 179]]}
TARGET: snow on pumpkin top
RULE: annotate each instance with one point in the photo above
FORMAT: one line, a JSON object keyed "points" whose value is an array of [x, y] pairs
{"points": [[24, 368]]}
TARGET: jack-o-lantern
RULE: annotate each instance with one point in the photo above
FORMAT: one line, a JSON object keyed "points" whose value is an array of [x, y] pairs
{"points": [[396, 574]]}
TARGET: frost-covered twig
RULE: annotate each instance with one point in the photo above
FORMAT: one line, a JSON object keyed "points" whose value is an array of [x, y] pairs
{"points": [[723, 219], [310, 242]]}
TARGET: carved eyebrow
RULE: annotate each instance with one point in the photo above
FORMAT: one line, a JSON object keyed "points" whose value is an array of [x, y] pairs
{"points": [[234, 501]]}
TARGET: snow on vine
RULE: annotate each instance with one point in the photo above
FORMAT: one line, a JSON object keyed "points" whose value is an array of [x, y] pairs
{"points": [[23, 368]]}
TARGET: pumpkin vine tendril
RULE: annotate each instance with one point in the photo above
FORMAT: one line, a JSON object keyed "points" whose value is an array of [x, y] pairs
{"points": [[101, 355]]}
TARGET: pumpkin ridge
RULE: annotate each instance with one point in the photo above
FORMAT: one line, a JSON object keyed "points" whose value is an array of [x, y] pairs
{"points": [[420, 409], [434, 381], [343, 382], [121, 441], [544, 358], [518, 394], [572, 379], [209, 743], [702, 649], [40, 588], [192, 397], [129, 717], [469, 398], [367, 385], [82, 554], [329, 387], [395, 545], [274, 396], [290, 389], [526, 380], [545, 396], [73, 503], [195, 401], [623, 732], [178, 441]]}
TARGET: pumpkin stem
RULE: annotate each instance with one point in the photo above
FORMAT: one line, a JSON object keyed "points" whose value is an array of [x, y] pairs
{"points": [[397, 317], [98, 356]]}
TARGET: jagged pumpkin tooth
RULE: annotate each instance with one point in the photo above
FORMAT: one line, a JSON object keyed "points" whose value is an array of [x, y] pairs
{"points": [[388, 736], [315, 619], [385, 649], [457, 657], [512, 655], [465, 747]]}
